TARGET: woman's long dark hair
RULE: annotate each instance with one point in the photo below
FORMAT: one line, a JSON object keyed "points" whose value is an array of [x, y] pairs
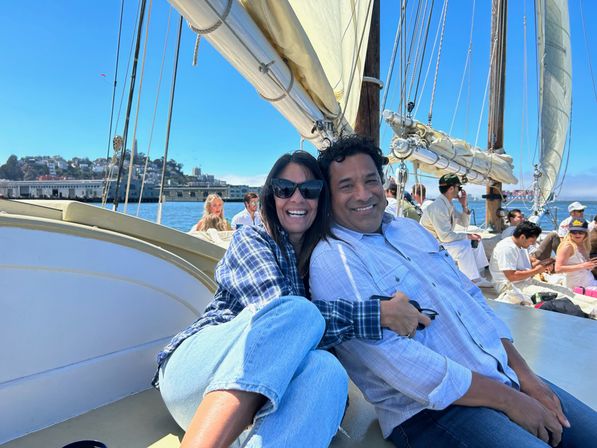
{"points": [[269, 215]]}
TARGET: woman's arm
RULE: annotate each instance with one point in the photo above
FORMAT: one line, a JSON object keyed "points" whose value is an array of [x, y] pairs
{"points": [[563, 255]]}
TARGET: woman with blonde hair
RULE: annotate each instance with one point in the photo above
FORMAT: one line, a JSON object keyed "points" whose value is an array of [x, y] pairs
{"points": [[213, 215], [573, 259]]}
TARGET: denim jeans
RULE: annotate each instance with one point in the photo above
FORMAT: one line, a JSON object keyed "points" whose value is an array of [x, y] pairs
{"points": [[460, 426], [271, 352]]}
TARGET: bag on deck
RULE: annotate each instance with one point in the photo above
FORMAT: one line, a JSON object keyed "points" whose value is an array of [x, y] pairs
{"points": [[564, 306]]}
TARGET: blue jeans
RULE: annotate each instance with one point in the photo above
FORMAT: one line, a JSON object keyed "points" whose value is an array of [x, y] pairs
{"points": [[271, 352], [460, 426]]}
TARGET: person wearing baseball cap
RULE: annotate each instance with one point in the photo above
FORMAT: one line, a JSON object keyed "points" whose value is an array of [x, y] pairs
{"points": [[573, 256], [577, 211], [440, 218]]}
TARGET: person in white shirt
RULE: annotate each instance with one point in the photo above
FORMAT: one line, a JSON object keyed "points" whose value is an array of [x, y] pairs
{"points": [[250, 215], [577, 211], [440, 218], [391, 190], [515, 217], [512, 270]]}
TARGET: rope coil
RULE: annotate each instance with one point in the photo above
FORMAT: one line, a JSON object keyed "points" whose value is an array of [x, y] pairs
{"points": [[216, 25]]}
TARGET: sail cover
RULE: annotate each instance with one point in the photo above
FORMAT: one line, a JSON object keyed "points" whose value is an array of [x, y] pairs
{"points": [[305, 56], [555, 90]]}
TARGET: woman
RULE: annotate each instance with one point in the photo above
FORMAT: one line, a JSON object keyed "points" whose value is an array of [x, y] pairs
{"points": [[572, 257], [213, 214], [253, 352]]}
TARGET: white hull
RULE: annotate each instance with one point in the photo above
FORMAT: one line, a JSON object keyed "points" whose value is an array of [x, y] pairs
{"points": [[84, 313]]}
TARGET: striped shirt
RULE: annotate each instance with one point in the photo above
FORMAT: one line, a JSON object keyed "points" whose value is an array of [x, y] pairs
{"points": [[254, 271]]}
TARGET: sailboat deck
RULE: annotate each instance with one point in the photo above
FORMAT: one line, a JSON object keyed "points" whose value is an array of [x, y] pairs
{"points": [[560, 348]]}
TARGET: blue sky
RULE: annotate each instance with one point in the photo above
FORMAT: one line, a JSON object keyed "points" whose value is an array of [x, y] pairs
{"points": [[55, 99]]}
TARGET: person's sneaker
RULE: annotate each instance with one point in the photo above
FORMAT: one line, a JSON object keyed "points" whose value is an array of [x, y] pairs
{"points": [[482, 283]]}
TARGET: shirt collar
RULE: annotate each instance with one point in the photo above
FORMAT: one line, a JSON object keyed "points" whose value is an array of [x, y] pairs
{"points": [[347, 234]]}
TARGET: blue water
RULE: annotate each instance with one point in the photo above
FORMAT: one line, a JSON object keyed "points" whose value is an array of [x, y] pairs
{"points": [[183, 215]]}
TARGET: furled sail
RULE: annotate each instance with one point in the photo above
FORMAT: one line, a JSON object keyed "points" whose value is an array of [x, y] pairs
{"points": [[555, 92], [305, 56], [437, 153]]}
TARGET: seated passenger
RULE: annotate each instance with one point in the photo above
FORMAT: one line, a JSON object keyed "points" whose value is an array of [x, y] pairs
{"points": [[515, 217], [573, 257], [440, 218], [512, 270], [250, 215], [214, 205], [459, 382]]}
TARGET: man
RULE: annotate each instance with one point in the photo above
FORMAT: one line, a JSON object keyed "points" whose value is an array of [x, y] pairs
{"points": [[459, 382], [440, 218], [512, 270], [577, 211], [407, 208], [419, 195], [515, 217], [250, 215]]}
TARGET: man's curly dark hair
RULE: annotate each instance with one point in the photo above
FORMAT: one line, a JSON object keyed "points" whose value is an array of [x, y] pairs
{"points": [[349, 146]]}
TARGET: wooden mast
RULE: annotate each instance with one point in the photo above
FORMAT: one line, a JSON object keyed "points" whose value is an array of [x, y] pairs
{"points": [[495, 138], [367, 121]]}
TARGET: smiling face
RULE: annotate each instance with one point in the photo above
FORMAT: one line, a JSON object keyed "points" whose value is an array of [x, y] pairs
{"points": [[296, 214], [358, 199], [578, 236], [252, 205], [215, 207]]}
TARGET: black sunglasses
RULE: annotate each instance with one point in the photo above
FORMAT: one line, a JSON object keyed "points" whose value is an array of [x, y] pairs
{"points": [[577, 232], [310, 189]]}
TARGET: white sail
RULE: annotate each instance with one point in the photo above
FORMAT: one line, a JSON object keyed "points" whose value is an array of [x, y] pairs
{"points": [[305, 56], [555, 91]]}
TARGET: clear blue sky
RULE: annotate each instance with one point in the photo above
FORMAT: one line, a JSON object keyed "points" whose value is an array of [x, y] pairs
{"points": [[56, 101]]}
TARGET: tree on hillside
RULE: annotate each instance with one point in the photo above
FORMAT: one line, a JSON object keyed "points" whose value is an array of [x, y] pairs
{"points": [[11, 169]]}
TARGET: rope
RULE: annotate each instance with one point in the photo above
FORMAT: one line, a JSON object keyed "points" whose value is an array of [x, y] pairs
{"points": [[493, 49], [264, 68], [143, 59], [439, 52], [106, 173], [424, 46], [466, 65], [217, 24], [392, 62], [525, 97], [155, 109]]}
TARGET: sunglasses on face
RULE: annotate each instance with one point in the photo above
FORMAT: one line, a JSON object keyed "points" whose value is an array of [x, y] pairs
{"points": [[310, 189], [577, 232]]}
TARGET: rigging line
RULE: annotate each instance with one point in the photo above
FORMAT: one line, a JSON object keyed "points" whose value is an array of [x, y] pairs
{"points": [[128, 67], [171, 107], [493, 51], [392, 62], [439, 52], [155, 110], [539, 81], [423, 53], [525, 96], [418, 30], [137, 111], [420, 59], [106, 172], [584, 31], [130, 101], [466, 65], [410, 50], [431, 57]]}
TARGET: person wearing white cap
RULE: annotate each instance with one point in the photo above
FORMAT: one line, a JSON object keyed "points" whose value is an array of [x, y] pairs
{"points": [[577, 211]]}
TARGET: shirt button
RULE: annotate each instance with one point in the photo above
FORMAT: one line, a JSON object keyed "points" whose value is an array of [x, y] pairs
{"points": [[434, 284], [397, 278]]}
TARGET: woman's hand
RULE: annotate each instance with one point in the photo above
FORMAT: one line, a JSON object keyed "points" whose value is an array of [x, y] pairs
{"points": [[590, 265], [400, 316]]}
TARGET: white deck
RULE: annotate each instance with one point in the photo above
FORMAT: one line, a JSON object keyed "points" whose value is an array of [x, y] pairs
{"points": [[558, 347]]}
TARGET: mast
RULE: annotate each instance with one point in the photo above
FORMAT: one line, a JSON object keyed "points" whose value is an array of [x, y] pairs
{"points": [[367, 122], [495, 131]]}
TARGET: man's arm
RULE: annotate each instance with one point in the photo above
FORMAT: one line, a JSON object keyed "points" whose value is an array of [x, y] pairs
{"points": [[440, 220], [516, 276]]}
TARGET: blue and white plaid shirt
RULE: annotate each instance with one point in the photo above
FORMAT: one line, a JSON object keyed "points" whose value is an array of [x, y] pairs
{"points": [[255, 271]]}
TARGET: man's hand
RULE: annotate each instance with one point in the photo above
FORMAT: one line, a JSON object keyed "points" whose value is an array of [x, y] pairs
{"points": [[400, 316], [473, 236], [534, 387], [533, 416], [462, 198]]}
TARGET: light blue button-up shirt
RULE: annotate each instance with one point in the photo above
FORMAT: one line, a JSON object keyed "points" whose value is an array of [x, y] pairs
{"points": [[398, 375]]}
